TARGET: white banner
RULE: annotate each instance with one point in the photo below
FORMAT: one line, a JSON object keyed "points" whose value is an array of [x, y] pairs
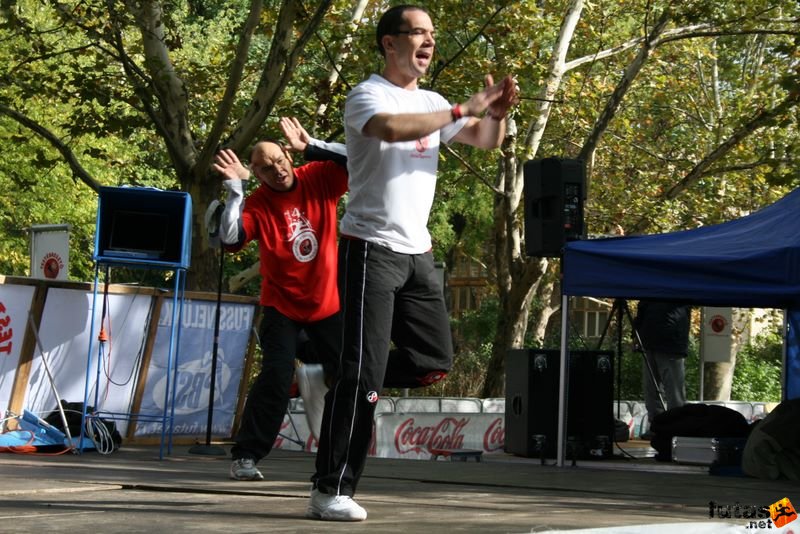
{"points": [[64, 333], [194, 361], [15, 304]]}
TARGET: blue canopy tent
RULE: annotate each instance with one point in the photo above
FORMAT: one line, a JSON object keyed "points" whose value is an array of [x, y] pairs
{"points": [[751, 262]]}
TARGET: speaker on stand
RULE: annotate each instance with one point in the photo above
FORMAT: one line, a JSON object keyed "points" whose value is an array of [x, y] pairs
{"points": [[554, 190]]}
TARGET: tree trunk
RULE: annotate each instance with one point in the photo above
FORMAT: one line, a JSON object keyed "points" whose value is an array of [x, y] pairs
{"points": [[518, 277], [204, 272], [511, 328], [718, 376]]}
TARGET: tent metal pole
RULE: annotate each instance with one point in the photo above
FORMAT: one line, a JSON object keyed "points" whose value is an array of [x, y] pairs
{"points": [[785, 355], [701, 381], [562, 383]]}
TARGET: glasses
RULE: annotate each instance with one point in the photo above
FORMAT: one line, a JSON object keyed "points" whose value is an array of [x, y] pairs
{"points": [[416, 32]]}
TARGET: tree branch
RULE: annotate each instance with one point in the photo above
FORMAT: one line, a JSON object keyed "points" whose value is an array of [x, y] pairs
{"points": [[441, 67], [761, 119], [231, 87], [79, 173], [139, 81], [758, 121], [627, 45], [615, 100], [50, 55], [472, 170], [674, 34], [556, 70], [169, 88], [336, 61], [277, 70]]}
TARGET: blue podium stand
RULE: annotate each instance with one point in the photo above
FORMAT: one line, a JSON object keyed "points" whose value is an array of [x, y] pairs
{"points": [[149, 229]]}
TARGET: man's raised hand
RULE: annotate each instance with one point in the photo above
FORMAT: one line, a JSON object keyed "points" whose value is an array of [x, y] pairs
{"points": [[296, 136], [228, 165]]}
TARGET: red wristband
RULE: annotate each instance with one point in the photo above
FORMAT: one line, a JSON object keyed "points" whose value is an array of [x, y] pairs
{"points": [[455, 111]]}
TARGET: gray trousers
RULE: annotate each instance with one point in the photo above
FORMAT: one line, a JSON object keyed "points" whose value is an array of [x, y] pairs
{"points": [[670, 379]]}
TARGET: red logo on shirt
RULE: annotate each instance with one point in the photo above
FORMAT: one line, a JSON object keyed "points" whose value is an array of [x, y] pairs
{"points": [[423, 144]]}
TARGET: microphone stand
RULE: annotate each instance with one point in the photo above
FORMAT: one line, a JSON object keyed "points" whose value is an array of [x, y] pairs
{"points": [[213, 216]]}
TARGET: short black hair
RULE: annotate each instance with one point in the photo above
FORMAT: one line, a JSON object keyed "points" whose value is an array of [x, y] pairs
{"points": [[391, 20]]}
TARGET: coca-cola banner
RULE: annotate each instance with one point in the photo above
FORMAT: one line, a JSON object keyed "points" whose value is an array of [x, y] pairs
{"points": [[412, 435]]}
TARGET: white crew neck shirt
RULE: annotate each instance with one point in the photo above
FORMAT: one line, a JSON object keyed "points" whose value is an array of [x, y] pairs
{"points": [[391, 184]]}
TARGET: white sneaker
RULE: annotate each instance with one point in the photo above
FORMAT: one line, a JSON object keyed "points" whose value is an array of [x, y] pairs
{"points": [[245, 469], [334, 507], [311, 383]]}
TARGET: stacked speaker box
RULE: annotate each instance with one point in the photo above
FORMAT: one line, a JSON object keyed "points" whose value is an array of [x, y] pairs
{"points": [[554, 191], [531, 417]]}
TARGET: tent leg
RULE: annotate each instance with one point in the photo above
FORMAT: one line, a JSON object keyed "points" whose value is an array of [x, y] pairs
{"points": [[562, 384]]}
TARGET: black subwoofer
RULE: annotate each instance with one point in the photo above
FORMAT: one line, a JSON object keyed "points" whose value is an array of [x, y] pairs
{"points": [[531, 416]]}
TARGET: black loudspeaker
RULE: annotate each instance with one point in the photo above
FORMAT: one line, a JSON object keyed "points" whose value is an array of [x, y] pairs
{"points": [[554, 193], [531, 417]]}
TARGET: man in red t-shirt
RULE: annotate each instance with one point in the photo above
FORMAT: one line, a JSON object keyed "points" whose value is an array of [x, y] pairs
{"points": [[292, 216]]}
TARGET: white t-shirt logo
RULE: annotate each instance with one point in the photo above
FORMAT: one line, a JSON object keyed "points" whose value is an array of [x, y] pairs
{"points": [[423, 143]]}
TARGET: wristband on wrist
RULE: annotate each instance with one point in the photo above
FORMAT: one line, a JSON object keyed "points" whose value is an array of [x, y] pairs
{"points": [[455, 112]]}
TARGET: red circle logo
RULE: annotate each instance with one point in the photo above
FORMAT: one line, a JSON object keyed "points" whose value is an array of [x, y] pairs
{"points": [[51, 268], [718, 323]]}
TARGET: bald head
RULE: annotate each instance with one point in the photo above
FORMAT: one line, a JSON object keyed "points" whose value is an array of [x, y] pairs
{"points": [[272, 165]]}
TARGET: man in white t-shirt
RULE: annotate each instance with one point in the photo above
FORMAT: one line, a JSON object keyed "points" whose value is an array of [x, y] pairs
{"points": [[388, 284]]}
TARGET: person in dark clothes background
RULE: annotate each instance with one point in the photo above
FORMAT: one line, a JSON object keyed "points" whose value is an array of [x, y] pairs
{"points": [[663, 329]]}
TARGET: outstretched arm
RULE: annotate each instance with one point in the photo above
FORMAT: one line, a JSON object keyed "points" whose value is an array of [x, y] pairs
{"points": [[227, 163], [409, 126]]}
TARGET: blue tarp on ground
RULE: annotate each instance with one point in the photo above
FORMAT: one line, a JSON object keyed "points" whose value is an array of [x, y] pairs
{"points": [[751, 262]]}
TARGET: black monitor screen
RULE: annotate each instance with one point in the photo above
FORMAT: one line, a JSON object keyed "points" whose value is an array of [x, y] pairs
{"points": [[140, 232]]}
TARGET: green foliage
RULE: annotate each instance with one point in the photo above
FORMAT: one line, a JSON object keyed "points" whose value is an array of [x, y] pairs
{"points": [[473, 333], [632, 375], [476, 328], [466, 377], [757, 375]]}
